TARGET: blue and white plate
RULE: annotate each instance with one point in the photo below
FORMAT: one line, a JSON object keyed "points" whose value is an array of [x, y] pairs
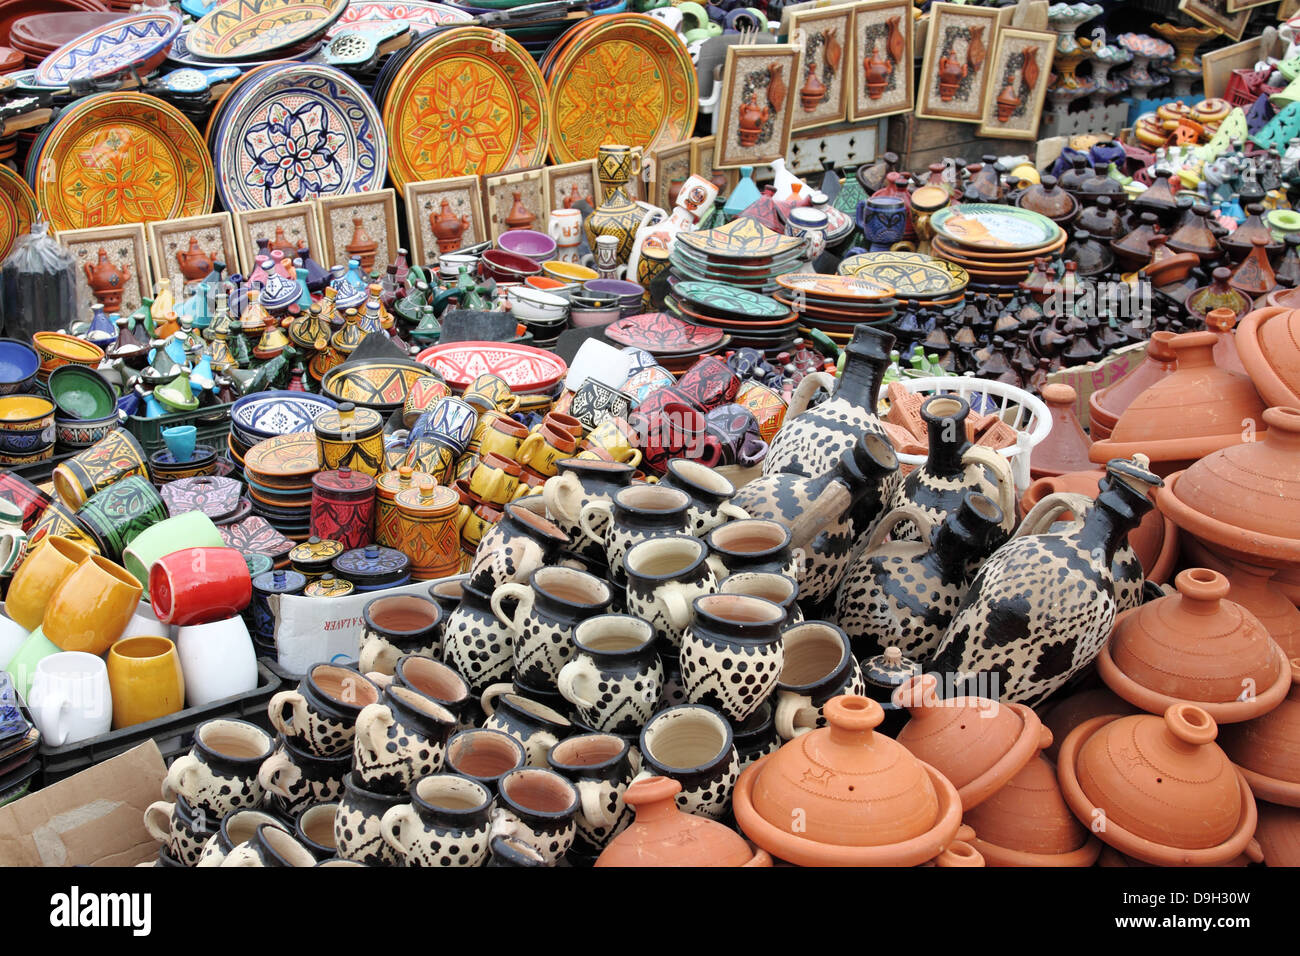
{"points": [[268, 414], [140, 41], [297, 132]]}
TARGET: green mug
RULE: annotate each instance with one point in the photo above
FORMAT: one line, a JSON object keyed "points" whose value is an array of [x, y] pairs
{"points": [[22, 666], [193, 529]]}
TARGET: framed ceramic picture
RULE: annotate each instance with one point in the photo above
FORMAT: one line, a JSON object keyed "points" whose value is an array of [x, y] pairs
{"points": [[879, 73], [1217, 65], [443, 215], [515, 200], [824, 38], [668, 166], [1287, 9], [955, 68], [569, 183], [360, 225], [1215, 13], [702, 163], [297, 223], [112, 266], [759, 87], [1017, 87], [186, 248]]}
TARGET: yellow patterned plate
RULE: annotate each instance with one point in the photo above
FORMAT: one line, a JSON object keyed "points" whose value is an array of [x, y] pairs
{"points": [[471, 101], [912, 275], [17, 209], [627, 79], [251, 29], [742, 238], [116, 158]]}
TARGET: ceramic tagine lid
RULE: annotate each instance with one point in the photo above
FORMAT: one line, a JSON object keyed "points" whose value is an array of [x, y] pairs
{"points": [[279, 582], [373, 566], [1195, 646], [844, 795], [1267, 347], [977, 743], [1106, 404], [314, 556], [427, 500], [1267, 749], [348, 422], [1158, 788], [1245, 499], [664, 835], [390, 483], [328, 586], [344, 484]]}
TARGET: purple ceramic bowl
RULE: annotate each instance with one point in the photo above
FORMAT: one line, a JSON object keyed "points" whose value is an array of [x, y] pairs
{"points": [[615, 287], [507, 266], [529, 243]]}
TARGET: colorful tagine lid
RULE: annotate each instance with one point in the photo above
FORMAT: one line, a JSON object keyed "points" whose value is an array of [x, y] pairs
{"points": [[1159, 788], [1267, 749], [427, 500], [327, 585], [344, 484], [843, 795], [1195, 646], [373, 566], [314, 556], [391, 482], [977, 743], [348, 422], [258, 563], [279, 582]]}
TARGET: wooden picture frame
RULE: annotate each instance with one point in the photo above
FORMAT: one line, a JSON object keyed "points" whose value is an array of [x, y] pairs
{"points": [[824, 36], [498, 198], [964, 37], [668, 165], [214, 235], [1214, 13], [1236, 6], [377, 210], [886, 28], [300, 222], [1019, 57], [558, 183], [702, 163], [1287, 9], [759, 80], [464, 198], [126, 245], [1217, 65]]}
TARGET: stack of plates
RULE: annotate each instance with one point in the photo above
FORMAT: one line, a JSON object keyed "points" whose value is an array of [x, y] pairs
{"points": [[743, 253], [675, 343], [914, 276], [835, 304], [996, 245], [279, 472], [37, 35], [755, 320]]}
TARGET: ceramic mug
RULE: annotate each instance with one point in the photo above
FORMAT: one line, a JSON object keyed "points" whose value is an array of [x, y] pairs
{"points": [[423, 392], [321, 714], [270, 845], [818, 665], [695, 746], [488, 392], [578, 483], [314, 829], [436, 681], [565, 227], [220, 773], [710, 494], [397, 625], [91, 607], [732, 653], [709, 383], [542, 449], [753, 544], [613, 440], [296, 778], [217, 659], [635, 514], [38, 577], [182, 831], [199, 585], [601, 768], [445, 824], [594, 403], [533, 724], [70, 698], [357, 830], [777, 588], [664, 576], [644, 382], [495, 479], [235, 828], [13, 548], [545, 613], [484, 755], [22, 665], [144, 675], [501, 436], [538, 807], [767, 407], [400, 739], [192, 529], [615, 677], [736, 431]]}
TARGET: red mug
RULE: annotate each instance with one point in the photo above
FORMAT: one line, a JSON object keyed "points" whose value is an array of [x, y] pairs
{"points": [[199, 586]]}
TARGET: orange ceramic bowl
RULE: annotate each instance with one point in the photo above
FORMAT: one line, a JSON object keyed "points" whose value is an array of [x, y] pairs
{"points": [[58, 348]]}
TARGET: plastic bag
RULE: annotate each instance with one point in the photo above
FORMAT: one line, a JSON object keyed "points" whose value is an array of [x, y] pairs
{"points": [[38, 286]]}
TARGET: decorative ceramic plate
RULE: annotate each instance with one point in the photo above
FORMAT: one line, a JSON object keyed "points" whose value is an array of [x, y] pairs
{"points": [[627, 79], [662, 334], [17, 209], [286, 456], [377, 383], [116, 158], [742, 268], [848, 289], [987, 225], [469, 101], [141, 40], [181, 54], [522, 366], [216, 497], [267, 414], [743, 239], [420, 14], [295, 133], [909, 274], [254, 534], [722, 299], [247, 29]]}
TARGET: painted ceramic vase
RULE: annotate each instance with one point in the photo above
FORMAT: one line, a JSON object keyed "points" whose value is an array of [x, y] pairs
{"points": [[351, 437], [710, 493], [400, 740], [534, 724], [117, 456], [728, 631], [617, 215], [427, 530], [445, 824], [343, 506], [664, 576], [121, 511]]}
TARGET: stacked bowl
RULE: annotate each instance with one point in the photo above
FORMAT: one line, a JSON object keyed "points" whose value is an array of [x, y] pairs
{"points": [[996, 245]]}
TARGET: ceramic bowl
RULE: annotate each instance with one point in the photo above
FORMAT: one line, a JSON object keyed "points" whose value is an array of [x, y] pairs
{"points": [[618, 288], [449, 264], [58, 348], [81, 394], [78, 433], [531, 305], [553, 286], [590, 318], [26, 425], [507, 266], [568, 271], [529, 243], [18, 366]]}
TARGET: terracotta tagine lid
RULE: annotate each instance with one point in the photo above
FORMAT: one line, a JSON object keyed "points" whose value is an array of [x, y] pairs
{"points": [[1065, 448], [664, 835], [1268, 344], [861, 798], [977, 743], [1267, 749], [1166, 793], [1278, 835], [1221, 322], [1106, 404], [1028, 823], [1245, 499], [1195, 646], [1197, 410]]}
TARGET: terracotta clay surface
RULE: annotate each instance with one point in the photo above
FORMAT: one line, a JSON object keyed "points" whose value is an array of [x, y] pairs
{"points": [[1027, 823], [1267, 749]]}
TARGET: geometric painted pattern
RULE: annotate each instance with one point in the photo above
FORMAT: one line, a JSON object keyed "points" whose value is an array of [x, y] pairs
{"points": [[109, 49], [244, 29]]}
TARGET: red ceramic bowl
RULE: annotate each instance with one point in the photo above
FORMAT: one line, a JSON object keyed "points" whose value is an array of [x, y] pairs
{"points": [[507, 266]]}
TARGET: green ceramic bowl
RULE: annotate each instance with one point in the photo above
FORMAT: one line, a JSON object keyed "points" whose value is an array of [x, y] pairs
{"points": [[81, 394]]}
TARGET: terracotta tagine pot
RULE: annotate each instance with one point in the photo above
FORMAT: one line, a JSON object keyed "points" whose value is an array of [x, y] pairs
{"points": [[1267, 749], [1195, 646], [752, 118], [448, 227], [1260, 590], [1197, 410], [813, 90], [1106, 404], [663, 835], [1065, 448], [194, 262], [977, 743], [1221, 323], [106, 281], [1167, 793], [362, 246], [1049, 199], [1266, 342], [861, 798], [1278, 835]]}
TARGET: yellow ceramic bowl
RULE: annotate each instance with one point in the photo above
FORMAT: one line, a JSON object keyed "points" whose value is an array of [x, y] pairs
{"points": [[92, 606], [58, 348], [26, 413], [39, 576], [568, 271], [144, 675]]}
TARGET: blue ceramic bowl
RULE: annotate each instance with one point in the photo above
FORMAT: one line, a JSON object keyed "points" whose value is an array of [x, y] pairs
{"points": [[18, 366], [75, 433]]}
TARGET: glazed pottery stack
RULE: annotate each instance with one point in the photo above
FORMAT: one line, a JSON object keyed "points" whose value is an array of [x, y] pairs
{"points": [[836, 305], [753, 319], [995, 244], [915, 277], [743, 253], [279, 474], [675, 344]]}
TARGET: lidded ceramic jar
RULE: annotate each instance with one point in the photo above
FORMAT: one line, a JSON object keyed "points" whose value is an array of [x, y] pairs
{"points": [[387, 487], [261, 619], [1267, 749], [351, 437], [373, 568], [343, 506], [315, 556], [1106, 404], [862, 799], [426, 530], [1195, 646], [1167, 793], [1027, 823], [328, 586]]}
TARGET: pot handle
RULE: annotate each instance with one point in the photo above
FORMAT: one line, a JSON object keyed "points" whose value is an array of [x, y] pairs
{"points": [[524, 597], [586, 516], [806, 389], [578, 669], [1006, 481], [733, 512], [275, 767], [487, 700], [902, 513], [1050, 508], [242, 855], [790, 709], [372, 728], [830, 504], [678, 608], [594, 809], [559, 493], [183, 769], [390, 827], [159, 809], [296, 705]]}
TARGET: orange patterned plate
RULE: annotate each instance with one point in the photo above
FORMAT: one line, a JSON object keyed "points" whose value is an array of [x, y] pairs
{"points": [[116, 158], [626, 79], [251, 29], [285, 456], [17, 209], [471, 101]]}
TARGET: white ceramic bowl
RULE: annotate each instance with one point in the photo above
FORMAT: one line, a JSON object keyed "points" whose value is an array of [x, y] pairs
{"points": [[534, 305]]}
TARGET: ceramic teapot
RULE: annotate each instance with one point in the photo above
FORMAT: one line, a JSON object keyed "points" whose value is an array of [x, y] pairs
{"points": [[106, 281], [194, 262]]}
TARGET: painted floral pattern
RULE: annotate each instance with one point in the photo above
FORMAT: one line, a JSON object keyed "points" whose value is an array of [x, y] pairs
{"points": [[294, 154]]}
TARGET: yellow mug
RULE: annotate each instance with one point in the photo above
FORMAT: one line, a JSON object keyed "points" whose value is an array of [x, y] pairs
{"points": [[490, 391], [614, 438], [39, 576], [495, 480], [144, 675], [499, 435], [542, 449]]}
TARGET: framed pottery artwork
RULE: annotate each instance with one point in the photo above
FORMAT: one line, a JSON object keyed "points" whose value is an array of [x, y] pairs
{"points": [[515, 201], [564, 186], [668, 166], [756, 104], [1215, 13], [112, 266], [1217, 65], [360, 226], [822, 88], [443, 215], [702, 163], [297, 222], [186, 248], [879, 73], [955, 69], [1017, 87]]}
